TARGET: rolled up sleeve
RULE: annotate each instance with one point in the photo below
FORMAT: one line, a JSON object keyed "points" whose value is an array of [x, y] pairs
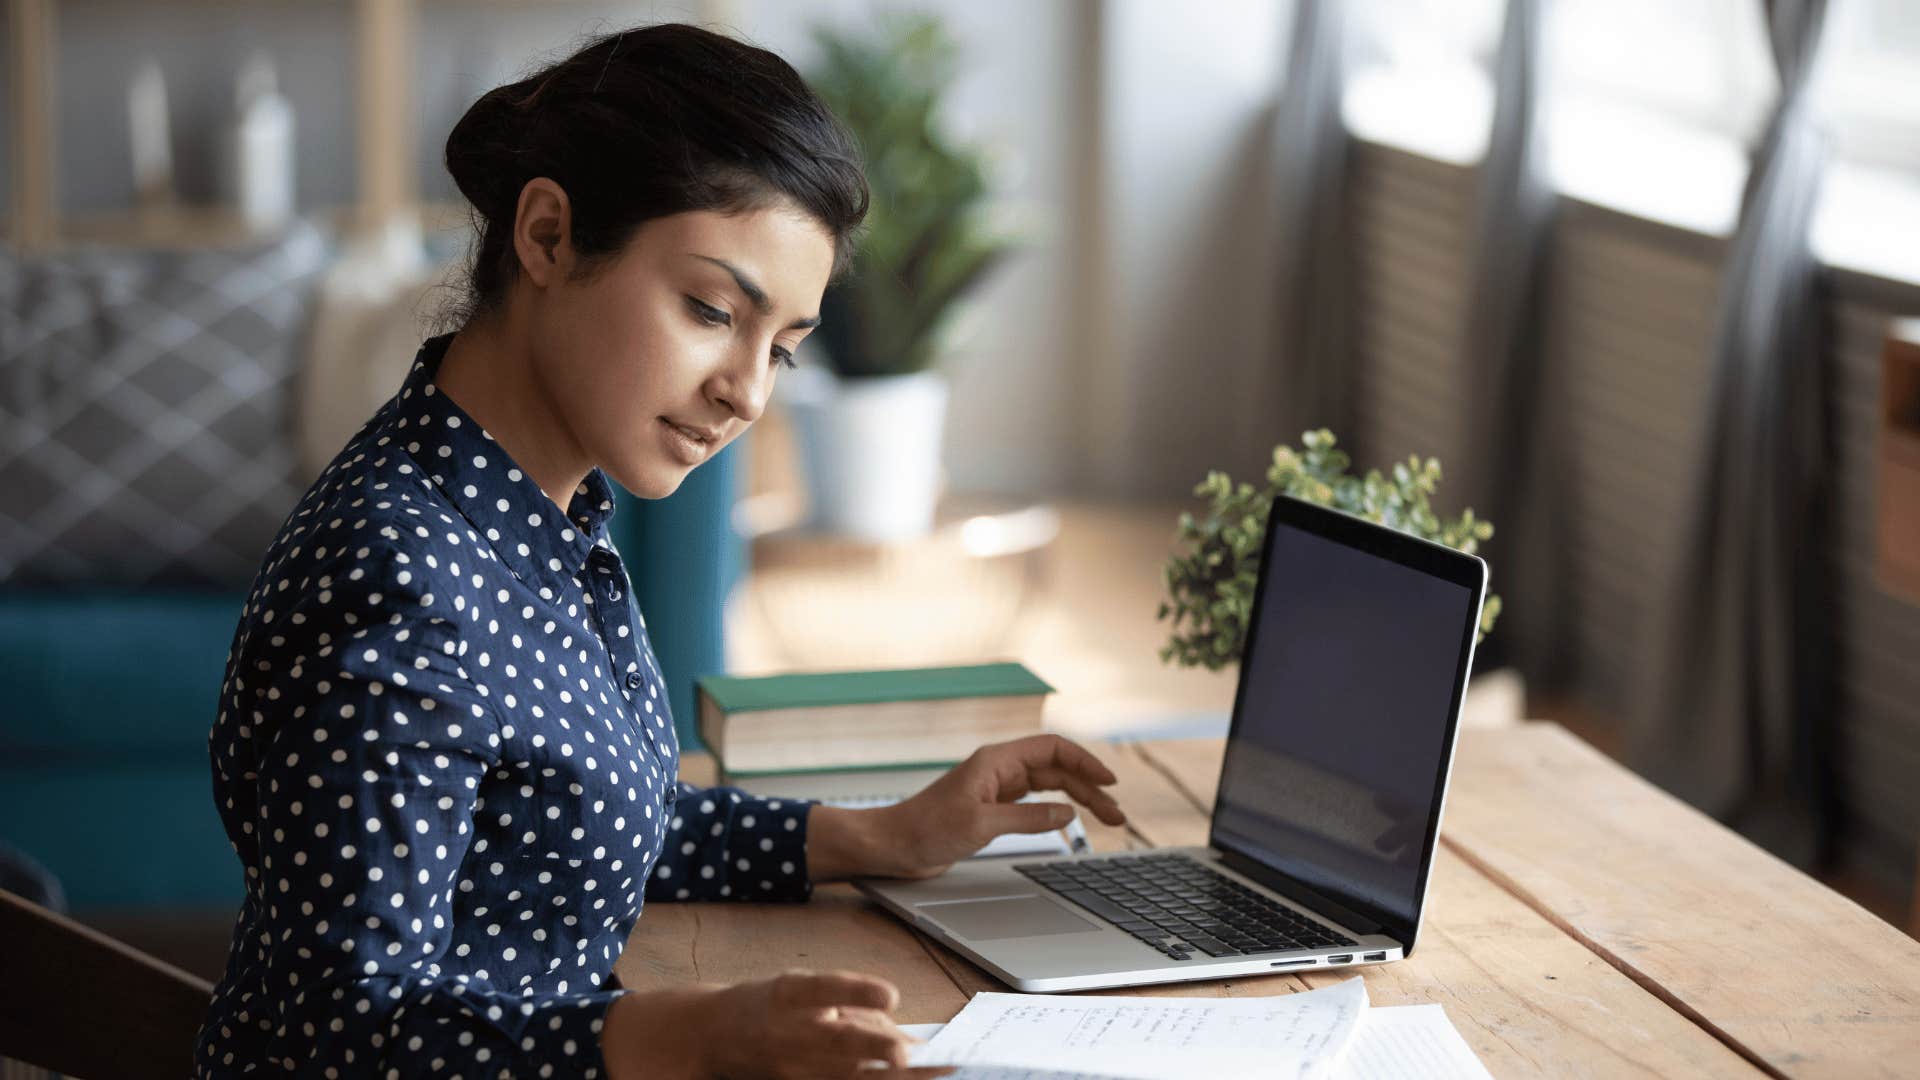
{"points": [[724, 844]]}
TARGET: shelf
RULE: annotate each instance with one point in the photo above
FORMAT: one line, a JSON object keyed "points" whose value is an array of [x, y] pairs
{"points": [[1897, 515], [385, 42], [199, 226]]}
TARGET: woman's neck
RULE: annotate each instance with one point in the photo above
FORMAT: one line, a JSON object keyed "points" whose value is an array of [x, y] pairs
{"points": [[488, 371]]}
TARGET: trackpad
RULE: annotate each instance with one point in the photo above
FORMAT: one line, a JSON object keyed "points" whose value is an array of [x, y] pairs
{"points": [[1008, 917]]}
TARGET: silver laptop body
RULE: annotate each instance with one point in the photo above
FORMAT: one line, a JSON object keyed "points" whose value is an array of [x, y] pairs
{"points": [[1345, 719]]}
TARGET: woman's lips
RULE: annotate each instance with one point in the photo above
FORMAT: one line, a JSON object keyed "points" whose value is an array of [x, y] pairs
{"points": [[688, 446]]}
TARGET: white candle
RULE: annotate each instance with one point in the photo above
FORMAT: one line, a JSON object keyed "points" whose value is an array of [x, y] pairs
{"points": [[152, 142], [263, 146]]}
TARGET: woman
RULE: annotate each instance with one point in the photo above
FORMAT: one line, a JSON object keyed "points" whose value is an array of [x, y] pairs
{"points": [[443, 752]]}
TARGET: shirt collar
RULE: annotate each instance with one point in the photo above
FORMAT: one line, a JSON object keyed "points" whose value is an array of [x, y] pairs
{"points": [[489, 488]]}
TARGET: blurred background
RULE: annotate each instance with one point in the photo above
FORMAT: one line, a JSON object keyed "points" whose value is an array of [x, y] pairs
{"points": [[1637, 273]]}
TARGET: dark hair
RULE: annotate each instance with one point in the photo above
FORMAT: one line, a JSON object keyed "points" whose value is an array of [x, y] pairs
{"points": [[646, 123]]}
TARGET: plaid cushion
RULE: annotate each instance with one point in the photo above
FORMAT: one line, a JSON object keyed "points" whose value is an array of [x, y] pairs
{"points": [[146, 409]]}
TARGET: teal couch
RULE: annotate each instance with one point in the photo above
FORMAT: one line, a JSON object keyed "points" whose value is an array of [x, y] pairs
{"points": [[107, 695]]}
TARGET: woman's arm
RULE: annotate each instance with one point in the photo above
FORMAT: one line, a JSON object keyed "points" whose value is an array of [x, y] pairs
{"points": [[846, 843], [372, 746], [658, 1034]]}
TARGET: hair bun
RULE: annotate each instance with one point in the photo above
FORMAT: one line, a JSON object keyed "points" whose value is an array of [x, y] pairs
{"points": [[484, 151]]}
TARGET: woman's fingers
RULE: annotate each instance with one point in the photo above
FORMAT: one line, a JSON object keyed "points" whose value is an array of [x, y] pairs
{"points": [[849, 1040], [1053, 763], [1022, 817], [844, 989], [1048, 778], [1079, 760], [869, 1035], [1058, 751]]}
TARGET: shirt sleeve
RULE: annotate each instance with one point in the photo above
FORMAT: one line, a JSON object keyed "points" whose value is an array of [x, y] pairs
{"points": [[373, 745], [723, 843]]}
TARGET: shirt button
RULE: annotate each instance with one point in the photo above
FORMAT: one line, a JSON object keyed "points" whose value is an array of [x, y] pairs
{"points": [[633, 680], [613, 594]]}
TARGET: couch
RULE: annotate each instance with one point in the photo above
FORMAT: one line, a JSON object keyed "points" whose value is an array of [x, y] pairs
{"points": [[113, 641]]}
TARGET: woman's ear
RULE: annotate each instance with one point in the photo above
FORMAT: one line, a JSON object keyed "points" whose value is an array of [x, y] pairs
{"points": [[541, 227]]}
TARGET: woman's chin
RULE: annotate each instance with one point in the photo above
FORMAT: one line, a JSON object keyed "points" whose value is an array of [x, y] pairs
{"points": [[653, 479]]}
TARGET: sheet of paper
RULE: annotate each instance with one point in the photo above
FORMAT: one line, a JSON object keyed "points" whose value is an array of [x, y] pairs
{"points": [[1400, 1042], [1406, 1041], [1149, 1038], [990, 1072]]}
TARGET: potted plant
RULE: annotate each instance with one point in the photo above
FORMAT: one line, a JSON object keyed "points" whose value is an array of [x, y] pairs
{"points": [[870, 425], [1211, 577]]}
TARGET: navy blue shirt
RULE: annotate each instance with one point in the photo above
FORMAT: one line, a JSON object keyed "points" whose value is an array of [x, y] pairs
{"points": [[444, 757]]}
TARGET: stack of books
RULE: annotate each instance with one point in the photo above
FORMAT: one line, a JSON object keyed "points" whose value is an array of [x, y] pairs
{"points": [[862, 736]]}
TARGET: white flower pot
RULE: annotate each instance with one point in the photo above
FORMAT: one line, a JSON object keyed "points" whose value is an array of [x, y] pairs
{"points": [[870, 449]]}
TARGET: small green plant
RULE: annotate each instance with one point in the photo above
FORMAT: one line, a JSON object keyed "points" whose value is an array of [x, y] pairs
{"points": [[926, 243], [1211, 577]]}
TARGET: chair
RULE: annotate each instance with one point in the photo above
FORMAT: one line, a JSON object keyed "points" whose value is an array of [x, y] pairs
{"points": [[78, 1002]]}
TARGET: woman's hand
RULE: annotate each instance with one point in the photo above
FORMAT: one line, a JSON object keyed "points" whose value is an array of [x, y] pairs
{"points": [[958, 814], [794, 1025]]}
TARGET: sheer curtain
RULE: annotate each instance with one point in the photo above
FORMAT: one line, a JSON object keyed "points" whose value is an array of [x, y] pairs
{"points": [[1736, 723], [1508, 475], [1314, 275]]}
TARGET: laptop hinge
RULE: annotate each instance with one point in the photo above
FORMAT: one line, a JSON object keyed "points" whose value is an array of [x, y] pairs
{"points": [[1298, 893]]}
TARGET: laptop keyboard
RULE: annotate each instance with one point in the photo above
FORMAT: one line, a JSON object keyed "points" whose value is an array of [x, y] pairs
{"points": [[1180, 906]]}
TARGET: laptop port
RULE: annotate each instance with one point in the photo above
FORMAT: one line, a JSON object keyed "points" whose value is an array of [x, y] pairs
{"points": [[1343, 958], [1375, 956]]}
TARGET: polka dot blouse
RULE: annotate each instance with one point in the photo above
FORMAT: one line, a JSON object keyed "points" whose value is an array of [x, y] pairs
{"points": [[444, 757]]}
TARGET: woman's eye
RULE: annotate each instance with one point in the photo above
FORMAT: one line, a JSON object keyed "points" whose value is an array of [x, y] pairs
{"points": [[708, 314], [784, 356]]}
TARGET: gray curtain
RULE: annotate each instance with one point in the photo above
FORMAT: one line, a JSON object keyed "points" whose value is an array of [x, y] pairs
{"points": [[1314, 265], [1738, 722], [1508, 474]]}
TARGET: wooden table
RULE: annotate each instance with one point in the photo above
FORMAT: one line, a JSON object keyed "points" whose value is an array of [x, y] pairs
{"points": [[1581, 922]]}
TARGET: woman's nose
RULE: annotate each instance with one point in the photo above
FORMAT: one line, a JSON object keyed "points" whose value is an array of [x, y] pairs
{"points": [[744, 385]]}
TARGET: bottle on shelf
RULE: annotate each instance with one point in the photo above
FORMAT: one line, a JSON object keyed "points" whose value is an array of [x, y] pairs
{"points": [[262, 147]]}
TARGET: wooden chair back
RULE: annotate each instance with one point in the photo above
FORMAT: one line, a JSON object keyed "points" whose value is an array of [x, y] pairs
{"points": [[76, 1001]]}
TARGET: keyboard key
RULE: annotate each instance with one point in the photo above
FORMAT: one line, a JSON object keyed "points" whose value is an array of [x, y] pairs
{"points": [[1212, 946], [1099, 905]]}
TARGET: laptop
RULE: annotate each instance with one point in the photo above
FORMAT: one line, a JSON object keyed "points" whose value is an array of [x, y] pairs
{"points": [[1330, 794]]}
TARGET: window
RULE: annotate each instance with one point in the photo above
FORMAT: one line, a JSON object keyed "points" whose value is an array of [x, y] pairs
{"points": [[1868, 98], [1421, 75], [1869, 91], [1651, 105]]}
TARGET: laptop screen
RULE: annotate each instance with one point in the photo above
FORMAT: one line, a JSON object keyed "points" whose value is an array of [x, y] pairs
{"points": [[1344, 720]]}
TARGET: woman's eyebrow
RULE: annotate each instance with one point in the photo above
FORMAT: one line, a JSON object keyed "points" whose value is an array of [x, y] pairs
{"points": [[755, 293]]}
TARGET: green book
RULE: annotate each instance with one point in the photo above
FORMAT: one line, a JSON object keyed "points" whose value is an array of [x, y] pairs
{"points": [[816, 721]]}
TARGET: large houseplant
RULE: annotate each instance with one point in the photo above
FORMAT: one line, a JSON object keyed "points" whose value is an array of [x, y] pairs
{"points": [[870, 424], [1211, 576]]}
